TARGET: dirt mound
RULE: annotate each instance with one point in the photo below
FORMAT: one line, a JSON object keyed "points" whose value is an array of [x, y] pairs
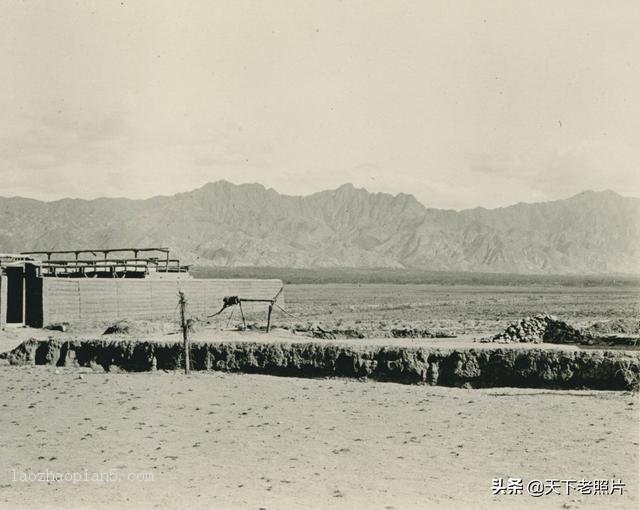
{"points": [[139, 327], [614, 327], [359, 331], [119, 328], [538, 329], [409, 332]]}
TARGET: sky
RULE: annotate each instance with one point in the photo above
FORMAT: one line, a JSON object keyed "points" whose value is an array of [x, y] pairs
{"points": [[461, 104]]}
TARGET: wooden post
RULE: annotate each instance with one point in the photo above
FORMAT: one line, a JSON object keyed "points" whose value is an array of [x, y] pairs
{"points": [[244, 322], [185, 332], [269, 317]]}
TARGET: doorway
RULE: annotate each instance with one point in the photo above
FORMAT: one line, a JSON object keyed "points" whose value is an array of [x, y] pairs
{"points": [[15, 295]]}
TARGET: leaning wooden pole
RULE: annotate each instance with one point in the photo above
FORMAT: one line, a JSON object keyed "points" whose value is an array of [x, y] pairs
{"points": [[185, 332]]}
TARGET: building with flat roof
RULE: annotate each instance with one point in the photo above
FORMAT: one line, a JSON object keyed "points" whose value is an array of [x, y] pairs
{"points": [[48, 287]]}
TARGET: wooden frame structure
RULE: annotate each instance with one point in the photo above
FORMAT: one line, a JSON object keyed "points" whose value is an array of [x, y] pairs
{"points": [[102, 265], [237, 300]]}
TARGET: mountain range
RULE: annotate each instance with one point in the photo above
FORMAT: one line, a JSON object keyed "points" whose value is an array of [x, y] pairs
{"points": [[224, 224]]}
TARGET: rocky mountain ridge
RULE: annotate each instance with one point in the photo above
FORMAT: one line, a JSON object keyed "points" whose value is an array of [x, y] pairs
{"points": [[248, 225]]}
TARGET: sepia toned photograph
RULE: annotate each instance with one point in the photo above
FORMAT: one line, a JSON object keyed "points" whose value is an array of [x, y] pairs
{"points": [[337, 254]]}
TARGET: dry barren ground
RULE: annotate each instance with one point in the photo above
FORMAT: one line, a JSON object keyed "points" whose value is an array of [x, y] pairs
{"points": [[214, 440], [460, 309]]}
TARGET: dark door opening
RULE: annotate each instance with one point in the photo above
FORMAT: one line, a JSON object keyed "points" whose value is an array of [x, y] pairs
{"points": [[15, 294]]}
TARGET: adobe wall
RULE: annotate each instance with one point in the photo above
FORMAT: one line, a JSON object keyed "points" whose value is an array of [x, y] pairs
{"points": [[73, 299]]}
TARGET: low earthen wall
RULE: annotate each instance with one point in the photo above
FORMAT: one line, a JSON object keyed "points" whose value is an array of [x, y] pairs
{"points": [[490, 367]]}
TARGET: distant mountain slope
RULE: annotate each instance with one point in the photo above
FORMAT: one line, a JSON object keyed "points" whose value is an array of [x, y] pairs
{"points": [[248, 225]]}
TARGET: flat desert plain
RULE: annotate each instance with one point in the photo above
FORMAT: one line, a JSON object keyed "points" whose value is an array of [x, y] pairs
{"points": [[459, 308], [213, 440]]}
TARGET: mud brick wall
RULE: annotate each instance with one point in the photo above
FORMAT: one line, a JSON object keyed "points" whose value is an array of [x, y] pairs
{"points": [[72, 299]]}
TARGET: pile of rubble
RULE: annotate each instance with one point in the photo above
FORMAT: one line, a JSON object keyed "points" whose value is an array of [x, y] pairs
{"points": [[537, 329]]}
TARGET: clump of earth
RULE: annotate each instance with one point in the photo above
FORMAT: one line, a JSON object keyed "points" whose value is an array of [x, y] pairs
{"points": [[139, 327], [538, 329]]}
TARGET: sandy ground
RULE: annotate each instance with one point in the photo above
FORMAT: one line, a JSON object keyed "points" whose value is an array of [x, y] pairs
{"points": [[12, 337], [214, 440]]}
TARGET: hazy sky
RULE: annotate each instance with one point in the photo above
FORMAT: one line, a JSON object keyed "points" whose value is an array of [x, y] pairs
{"points": [[458, 104]]}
